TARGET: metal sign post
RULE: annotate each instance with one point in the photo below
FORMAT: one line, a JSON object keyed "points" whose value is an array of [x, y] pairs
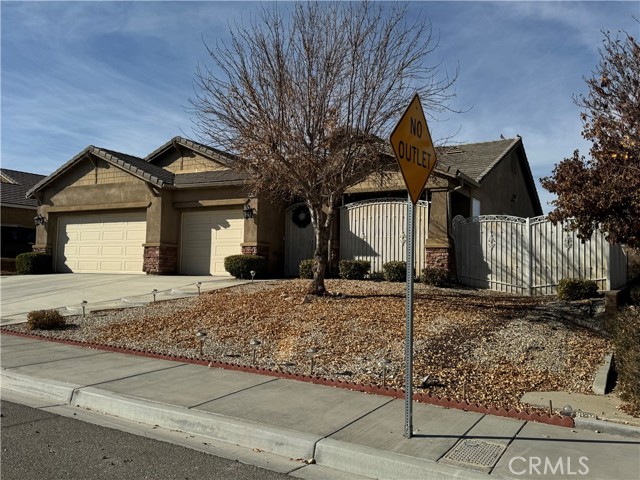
{"points": [[408, 342], [416, 157]]}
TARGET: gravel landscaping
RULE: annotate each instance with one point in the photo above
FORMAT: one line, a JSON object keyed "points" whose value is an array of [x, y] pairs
{"points": [[477, 345]]}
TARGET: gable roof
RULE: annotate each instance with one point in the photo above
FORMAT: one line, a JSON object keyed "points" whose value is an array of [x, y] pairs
{"points": [[475, 160], [136, 166], [13, 189], [209, 152], [478, 160]]}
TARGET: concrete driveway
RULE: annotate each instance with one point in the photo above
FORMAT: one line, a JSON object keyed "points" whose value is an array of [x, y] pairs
{"points": [[21, 294]]}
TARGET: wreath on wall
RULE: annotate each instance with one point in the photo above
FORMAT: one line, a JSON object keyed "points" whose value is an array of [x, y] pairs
{"points": [[301, 216]]}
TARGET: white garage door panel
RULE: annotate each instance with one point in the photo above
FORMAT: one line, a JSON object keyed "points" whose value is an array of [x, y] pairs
{"points": [[107, 243], [209, 237]]}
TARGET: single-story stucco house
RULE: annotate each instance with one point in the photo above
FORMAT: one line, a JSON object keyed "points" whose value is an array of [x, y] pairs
{"points": [[183, 209], [17, 212]]}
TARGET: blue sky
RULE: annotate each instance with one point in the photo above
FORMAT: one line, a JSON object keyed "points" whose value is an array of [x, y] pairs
{"points": [[119, 74]]}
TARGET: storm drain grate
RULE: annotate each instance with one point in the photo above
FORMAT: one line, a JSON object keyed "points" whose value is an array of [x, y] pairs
{"points": [[476, 452]]}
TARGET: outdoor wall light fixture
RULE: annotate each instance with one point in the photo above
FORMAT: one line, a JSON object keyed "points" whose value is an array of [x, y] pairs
{"points": [[201, 336], [84, 304], [247, 211], [154, 292], [198, 284], [311, 353], [385, 364], [255, 344], [39, 220]]}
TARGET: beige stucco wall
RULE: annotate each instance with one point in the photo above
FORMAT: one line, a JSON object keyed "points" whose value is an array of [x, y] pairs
{"points": [[22, 217], [187, 161], [504, 191], [99, 172]]}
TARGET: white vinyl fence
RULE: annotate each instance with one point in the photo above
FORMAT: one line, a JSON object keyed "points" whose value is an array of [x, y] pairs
{"points": [[529, 256], [375, 230]]}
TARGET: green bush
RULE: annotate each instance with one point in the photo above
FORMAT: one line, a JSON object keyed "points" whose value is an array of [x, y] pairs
{"points": [[576, 289], [33, 263], [376, 277], [240, 266], [626, 345], [353, 269], [45, 320], [436, 277], [634, 294], [395, 271], [306, 268]]}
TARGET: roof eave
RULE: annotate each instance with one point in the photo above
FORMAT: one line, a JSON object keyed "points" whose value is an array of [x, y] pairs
{"points": [[232, 183], [47, 180]]}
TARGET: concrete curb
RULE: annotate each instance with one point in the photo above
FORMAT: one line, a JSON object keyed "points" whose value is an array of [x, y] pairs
{"points": [[371, 462], [245, 433], [610, 428], [60, 392], [601, 380], [334, 454], [280, 441]]}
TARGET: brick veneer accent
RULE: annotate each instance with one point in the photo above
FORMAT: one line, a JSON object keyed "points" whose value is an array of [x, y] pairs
{"points": [[262, 250], [160, 260], [440, 257], [39, 249]]}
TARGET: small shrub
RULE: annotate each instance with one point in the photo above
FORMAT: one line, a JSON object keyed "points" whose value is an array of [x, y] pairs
{"points": [[240, 266], [634, 295], [45, 320], [626, 344], [436, 277], [395, 271], [306, 268], [376, 277], [576, 289], [33, 263], [353, 269]]}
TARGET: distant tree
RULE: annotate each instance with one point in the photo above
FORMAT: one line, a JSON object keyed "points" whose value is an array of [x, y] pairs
{"points": [[604, 191], [307, 99]]}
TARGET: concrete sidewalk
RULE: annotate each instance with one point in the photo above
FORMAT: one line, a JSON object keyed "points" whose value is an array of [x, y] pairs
{"points": [[65, 292], [347, 434]]}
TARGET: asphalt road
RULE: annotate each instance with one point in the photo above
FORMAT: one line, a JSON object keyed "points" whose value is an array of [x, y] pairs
{"points": [[39, 444]]}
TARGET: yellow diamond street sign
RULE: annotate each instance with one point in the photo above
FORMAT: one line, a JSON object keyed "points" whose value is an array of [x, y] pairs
{"points": [[412, 145]]}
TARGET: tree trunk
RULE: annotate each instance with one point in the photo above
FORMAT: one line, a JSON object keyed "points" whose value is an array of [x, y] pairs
{"points": [[321, 222]]}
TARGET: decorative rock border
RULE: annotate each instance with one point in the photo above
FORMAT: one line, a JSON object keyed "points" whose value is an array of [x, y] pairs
{"points": [[374, 389]]}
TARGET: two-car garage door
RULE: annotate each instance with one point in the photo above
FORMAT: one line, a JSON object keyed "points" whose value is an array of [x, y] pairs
{"points": [[114, 242], [105, 243]]}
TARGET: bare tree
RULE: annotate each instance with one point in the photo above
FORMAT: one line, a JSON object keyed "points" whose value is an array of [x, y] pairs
{"points": [[306, 98]]}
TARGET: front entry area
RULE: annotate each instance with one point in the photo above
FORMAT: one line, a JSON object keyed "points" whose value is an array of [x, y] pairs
{"points": [[101, 243]]}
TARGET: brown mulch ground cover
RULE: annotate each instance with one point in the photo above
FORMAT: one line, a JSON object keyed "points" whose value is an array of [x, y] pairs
{"points": [[477, 345]]}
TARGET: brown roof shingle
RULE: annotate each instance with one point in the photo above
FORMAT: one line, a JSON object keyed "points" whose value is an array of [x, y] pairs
{"points": [[14, 190]]}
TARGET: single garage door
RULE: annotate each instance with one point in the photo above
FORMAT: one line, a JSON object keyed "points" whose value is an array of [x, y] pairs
{"points": [[103, 243], [207, 238]]}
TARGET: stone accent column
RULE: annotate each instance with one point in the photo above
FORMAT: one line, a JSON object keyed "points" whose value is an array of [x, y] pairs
{"points": [[160, 259]]}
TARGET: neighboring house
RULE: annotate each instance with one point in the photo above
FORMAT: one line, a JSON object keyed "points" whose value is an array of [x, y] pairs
{"points": [[183, 209], [17, 212]]}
